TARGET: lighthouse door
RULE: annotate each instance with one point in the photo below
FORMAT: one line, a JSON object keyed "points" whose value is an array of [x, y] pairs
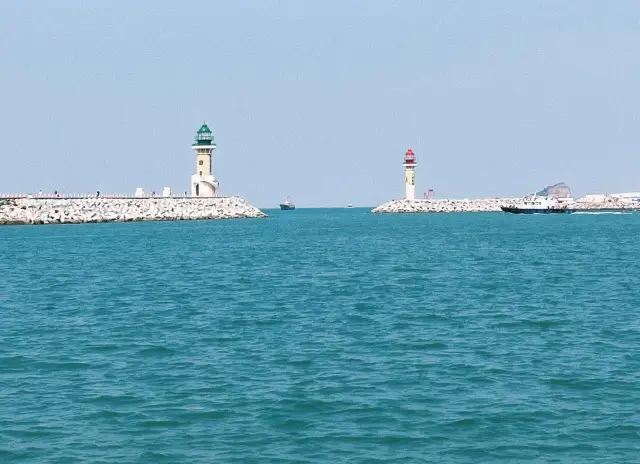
{"points": [[197, 190]]}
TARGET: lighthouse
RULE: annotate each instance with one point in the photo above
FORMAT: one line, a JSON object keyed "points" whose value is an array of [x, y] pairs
{"points": [[410, 174], [203, 182]]}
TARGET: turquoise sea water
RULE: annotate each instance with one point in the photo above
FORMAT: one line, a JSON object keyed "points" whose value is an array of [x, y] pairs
{"points": [[322, 336]]}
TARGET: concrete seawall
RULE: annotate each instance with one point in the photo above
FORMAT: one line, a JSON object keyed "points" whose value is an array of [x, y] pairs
{"points": [[89, 210]]}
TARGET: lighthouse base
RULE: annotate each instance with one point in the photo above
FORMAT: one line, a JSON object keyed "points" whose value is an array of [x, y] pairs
{"points": [[204, 186], [410, 192]]}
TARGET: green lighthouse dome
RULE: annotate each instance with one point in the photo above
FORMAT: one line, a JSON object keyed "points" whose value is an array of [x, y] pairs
{"points": [[204, 136]]}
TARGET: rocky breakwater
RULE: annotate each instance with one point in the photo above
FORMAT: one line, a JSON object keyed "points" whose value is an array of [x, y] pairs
{"points": [[611, 203], [443, 206], [89, 210]]}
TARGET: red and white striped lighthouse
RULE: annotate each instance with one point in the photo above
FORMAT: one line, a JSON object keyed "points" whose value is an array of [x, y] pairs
{"points": [[410, 174]]}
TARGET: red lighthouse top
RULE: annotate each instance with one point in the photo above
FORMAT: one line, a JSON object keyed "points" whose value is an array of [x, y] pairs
{"points": [[409, 157]]}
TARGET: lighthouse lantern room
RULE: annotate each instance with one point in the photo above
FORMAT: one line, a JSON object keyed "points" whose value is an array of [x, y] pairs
{"points": [[203, 182], [410, 174]]}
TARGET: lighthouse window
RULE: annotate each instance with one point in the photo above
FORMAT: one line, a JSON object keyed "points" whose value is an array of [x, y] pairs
{"points": [[200, 162]]}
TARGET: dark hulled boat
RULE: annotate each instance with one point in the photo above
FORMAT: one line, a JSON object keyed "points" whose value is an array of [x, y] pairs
{"points": [[538, 205], [287, 205], [518, 210]]}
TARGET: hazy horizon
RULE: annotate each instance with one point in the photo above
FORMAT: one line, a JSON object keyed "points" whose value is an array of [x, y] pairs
{"points": [[320, 102]]}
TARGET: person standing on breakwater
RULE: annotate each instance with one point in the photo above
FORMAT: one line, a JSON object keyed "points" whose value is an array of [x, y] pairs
{"points": [[97, 193]]}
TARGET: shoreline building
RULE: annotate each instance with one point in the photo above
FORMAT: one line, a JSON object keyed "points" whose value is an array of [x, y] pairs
{"points": [[203, 182], [410, 174]]}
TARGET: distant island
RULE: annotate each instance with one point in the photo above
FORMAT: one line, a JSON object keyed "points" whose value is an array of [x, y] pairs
{"points": [[559, 190]]}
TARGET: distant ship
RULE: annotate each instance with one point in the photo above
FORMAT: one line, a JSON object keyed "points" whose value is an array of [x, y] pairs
{"points": [[349, 205], [287, 205], [538, 205]]}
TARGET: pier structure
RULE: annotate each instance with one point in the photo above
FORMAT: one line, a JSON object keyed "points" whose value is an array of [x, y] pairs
{"points": [[203, 182], [410, 174]]}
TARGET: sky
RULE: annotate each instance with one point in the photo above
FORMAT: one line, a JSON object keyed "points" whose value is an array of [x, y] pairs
{"points": [[319, 100]]}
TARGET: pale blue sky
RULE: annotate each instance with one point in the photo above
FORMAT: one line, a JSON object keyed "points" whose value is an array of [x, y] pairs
{"points": [[319, 100]]}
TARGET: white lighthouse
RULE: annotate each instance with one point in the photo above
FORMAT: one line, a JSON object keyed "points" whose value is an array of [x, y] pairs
{"points": [[203, 182], [410, 174]]}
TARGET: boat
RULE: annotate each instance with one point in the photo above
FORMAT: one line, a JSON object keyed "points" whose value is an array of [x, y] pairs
{"points": [[349, 205], [287, 205], [540, 205]]}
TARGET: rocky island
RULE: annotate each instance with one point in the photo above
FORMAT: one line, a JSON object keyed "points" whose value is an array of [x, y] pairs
{"points": [[559, 190], [90, 210]]}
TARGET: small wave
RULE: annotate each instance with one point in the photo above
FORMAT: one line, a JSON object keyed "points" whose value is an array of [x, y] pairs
{"points": [[113, 399], [601, 212], [359, 318], [207, 415], [107, 414], [152, 456], [156, 350], [292, 425], [63, 365], [573, 384], [423, 345], [15, 361], [104, 347], [528, 323], [159, 423], [466, 422]]}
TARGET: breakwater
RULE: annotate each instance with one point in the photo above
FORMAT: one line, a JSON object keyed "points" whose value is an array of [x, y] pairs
{"points": [[90, 210], [490, 205], [443, 206]]}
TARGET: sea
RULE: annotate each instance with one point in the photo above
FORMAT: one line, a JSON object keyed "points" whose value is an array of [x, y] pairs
{"points": [[322, 336]]}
